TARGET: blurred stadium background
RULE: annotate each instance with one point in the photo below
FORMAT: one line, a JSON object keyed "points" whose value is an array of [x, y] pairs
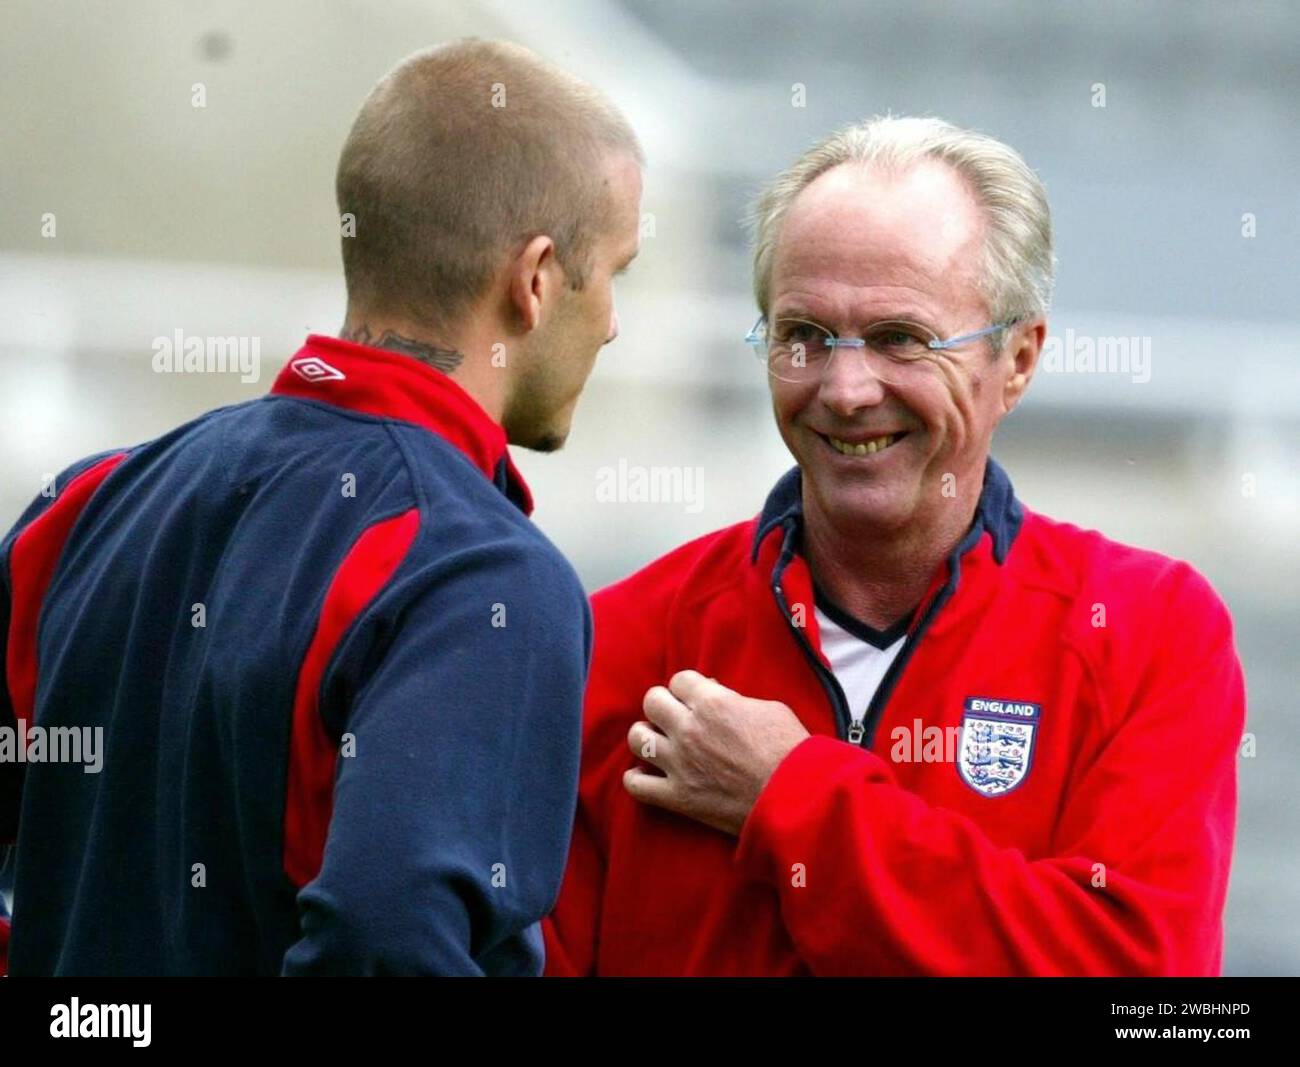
{"points": [[220, 221]]}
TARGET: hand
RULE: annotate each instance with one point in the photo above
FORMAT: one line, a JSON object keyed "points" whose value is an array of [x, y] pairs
{"points": [[715, 748]]}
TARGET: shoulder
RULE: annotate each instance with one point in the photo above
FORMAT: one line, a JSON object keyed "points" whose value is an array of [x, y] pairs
{"points": [[1073, 558], [472, 544], [1138, 598], [67, 492]]}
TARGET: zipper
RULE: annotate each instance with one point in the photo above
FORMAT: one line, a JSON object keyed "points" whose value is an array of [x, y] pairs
{"points": [[876, 709], [861, 732], [839, 703]]}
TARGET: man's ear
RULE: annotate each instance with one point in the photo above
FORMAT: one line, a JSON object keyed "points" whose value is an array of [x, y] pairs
{"points": [[532, 277], [1026, 344]]}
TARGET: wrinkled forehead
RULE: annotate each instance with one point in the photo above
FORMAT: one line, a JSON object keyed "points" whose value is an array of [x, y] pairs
{"points": [[863, 238]]}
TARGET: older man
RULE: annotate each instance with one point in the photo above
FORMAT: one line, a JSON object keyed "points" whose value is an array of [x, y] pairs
{"points": [[898, 723]]}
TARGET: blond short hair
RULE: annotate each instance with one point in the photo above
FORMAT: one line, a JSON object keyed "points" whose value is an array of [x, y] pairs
{"points": [[1018, 268], [460, 154]]}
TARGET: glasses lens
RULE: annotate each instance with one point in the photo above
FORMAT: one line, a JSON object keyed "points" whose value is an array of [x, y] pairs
{"points": [[899, 340], [797, 350]]}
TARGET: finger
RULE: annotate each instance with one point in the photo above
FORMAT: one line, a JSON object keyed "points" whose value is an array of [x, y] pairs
{"points": [[650, 788], [648, 744], [664, 710], [691, 686]]}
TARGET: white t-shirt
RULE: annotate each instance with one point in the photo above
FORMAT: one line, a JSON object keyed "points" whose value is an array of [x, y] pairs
{"points": [[859, 656]]}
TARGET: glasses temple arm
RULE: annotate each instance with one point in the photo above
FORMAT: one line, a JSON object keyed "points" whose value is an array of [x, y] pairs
{"points": [[972, 336]]}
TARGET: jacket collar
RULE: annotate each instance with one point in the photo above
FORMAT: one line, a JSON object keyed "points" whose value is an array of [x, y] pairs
{"points": [[388, 385], [998, 512]]}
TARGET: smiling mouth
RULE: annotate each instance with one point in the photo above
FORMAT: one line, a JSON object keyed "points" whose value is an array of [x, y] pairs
{"points": [[863, 448]]}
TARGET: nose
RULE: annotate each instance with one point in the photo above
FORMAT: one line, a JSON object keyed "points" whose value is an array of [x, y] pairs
{"points": [[613, 326], [850, 382]]}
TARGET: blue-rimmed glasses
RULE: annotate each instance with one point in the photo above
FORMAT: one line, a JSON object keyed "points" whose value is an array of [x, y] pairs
{"points": [[797, 350]]}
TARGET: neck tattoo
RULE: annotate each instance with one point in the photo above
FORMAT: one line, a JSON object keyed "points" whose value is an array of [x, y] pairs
{"points": [[443, 359]]}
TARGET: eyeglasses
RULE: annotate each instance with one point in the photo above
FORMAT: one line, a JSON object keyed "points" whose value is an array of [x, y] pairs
{"points": [[796, 350]]}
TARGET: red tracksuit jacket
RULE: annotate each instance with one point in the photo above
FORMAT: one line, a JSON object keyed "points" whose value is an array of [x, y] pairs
{"points": [[1082, 825]]}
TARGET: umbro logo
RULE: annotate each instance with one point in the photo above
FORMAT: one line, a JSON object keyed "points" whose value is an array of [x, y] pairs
{"points": [[315, 369]]}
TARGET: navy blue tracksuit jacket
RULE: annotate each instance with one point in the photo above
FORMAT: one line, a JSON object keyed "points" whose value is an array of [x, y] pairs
{"points": [[337, 674]]}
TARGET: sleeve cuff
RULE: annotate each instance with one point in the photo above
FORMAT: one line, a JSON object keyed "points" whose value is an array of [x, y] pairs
{"points": [[795, 795]]}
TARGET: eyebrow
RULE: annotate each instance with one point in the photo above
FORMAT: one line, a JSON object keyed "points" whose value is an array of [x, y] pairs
{"points": [[799, 312], [795, 311]]}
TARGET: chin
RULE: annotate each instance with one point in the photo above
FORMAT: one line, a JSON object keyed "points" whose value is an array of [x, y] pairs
{"points": [[875, 506], [548, 438], [550, 442], [539, 434], [854, 499]]}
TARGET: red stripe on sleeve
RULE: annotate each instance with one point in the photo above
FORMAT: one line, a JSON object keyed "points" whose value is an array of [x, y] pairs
{"points": [[32, 562], [309, 798]]}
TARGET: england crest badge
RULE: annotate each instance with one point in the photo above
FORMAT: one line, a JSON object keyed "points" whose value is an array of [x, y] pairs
{"points": [[997, 744]]}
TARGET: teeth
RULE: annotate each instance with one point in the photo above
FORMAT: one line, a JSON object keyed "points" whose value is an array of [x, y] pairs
{"points": [[865, 448]]}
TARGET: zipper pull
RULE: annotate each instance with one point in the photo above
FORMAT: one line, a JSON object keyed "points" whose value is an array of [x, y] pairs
{"points": [[857, 729]]}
